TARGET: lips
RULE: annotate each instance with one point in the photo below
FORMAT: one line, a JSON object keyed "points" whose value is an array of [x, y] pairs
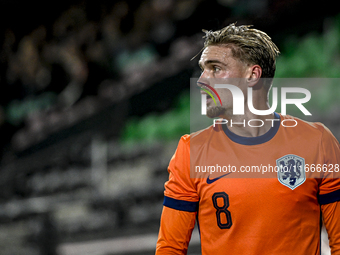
{"points": [[204, 86], [209, 98]]}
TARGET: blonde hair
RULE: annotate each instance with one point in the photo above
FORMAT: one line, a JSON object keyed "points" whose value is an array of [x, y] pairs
{"points": [[249, 45]]}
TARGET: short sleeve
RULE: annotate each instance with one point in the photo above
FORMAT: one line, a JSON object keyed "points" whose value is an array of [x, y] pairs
{"points": [[180, 191], [329, 190]]}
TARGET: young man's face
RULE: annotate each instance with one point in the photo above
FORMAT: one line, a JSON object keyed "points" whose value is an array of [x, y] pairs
{"points": [[220, 67]]}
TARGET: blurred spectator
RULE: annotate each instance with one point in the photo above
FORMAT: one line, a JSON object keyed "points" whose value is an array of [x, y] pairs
{"points": [[87, 48]]}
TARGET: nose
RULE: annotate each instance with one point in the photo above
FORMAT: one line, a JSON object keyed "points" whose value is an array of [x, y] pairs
{"points": [[206, 74], [201, 84], [203, 79]]}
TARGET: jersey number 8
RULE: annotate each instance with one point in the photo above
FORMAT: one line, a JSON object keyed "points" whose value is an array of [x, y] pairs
{"points": [[221, 210]]}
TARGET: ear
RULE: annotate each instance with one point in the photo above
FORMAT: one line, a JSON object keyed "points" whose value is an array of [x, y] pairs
{"points": [[254, 75]]}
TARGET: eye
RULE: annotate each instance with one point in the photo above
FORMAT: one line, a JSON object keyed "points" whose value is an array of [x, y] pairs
{"points": [[216, 69]]}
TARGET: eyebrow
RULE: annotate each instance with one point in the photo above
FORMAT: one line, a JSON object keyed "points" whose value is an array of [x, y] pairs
{"points": [[212, 61]]}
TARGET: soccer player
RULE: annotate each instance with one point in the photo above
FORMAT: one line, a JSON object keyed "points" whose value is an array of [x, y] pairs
{"points": [[250, 213]]}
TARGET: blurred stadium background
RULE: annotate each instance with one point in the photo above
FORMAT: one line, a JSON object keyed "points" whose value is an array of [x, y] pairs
{"points": [[95, 96]]}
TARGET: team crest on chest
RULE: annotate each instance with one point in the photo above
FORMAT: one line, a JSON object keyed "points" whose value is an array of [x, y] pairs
{"points": [[291, 171]]}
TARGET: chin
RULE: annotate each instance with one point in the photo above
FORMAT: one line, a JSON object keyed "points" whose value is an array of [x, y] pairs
{"points": [[215, 111]]}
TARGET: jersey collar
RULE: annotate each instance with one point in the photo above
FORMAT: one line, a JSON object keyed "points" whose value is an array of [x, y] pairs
{"points": [[254, 140]]}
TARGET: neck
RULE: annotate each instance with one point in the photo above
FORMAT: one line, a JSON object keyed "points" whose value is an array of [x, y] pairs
{"points": [[250, 125]]}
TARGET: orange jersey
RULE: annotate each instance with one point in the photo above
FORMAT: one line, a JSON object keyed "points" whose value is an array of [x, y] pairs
{"points": [[258, 195]]}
